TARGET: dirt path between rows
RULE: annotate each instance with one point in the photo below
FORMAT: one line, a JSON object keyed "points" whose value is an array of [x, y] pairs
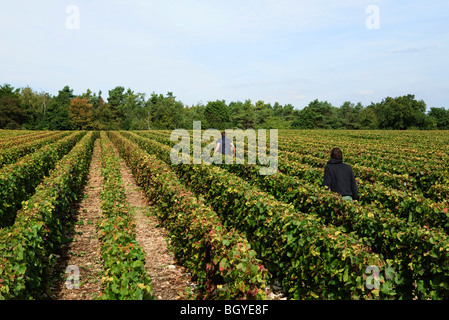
{"points": [[168, 278], [81, 256], [83, 253]]}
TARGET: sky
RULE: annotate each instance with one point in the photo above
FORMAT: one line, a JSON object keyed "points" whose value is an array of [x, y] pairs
{"points": [[285, 51]]}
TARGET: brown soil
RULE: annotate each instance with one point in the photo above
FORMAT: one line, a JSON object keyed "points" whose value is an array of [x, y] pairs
{"points": [[169, 280], [84, 251]]}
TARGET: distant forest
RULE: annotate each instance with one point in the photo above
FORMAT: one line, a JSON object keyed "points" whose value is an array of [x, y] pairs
{"points": [[23, 108]]}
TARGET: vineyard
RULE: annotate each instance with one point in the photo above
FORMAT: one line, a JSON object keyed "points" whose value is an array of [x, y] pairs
{"points": [[237, 233]]}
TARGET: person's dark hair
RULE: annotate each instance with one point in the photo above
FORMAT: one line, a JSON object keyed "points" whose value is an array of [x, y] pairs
{"points": [[336, 154], [223, 133]]}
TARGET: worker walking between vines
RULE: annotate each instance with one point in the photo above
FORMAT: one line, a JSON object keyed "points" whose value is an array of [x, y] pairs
{"points": [[339, 177], [225, 145]]}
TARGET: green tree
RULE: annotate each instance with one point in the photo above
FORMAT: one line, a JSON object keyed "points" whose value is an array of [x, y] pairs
{"points": [[116, 98], [195, 113], [368, 118], [305, 119], [264, 114], [80, 111], [165, 112], [12, 116], [116, 101], [104, 118], [57, 116], [401, 113], [349, 115], [274, 117], [93, 98], [30, 101], [317, 115], [244, 115], [8, 90], [441, 118], [216, 115], [133, 111]]}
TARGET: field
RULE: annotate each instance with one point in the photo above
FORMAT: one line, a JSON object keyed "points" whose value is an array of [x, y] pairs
{"points": [[89, 206]]}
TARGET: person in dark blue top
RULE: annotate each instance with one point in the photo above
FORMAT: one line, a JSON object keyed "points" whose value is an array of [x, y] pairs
{"points": [[225, 146], [339, 177]]}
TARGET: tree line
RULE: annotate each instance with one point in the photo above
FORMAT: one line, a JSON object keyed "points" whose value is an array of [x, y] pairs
{"points": [[24, 108]]}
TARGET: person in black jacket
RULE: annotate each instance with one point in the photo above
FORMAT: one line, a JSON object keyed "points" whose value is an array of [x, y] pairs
{"points": [[339, 177]]}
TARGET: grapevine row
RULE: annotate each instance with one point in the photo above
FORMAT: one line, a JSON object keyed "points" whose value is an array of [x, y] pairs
{"points": [[19, 139], [426, 242], [19, 180], [10, 155], [430, 243], [409, 205], [124, 275], [26, 247], [417, 253], [6, 133], [382, 144], [313, 260], [406, 203], [220, 259]]}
